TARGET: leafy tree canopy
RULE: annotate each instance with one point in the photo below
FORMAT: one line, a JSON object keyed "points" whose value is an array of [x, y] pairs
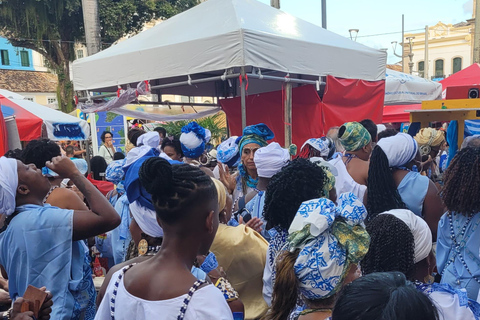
{"points": [[52, 27]]}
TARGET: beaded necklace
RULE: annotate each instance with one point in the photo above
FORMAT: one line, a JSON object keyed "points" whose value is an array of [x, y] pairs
{"points": [[183, 309], [458, 246]]}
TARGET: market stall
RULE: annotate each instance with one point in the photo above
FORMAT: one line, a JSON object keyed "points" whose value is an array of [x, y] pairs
{"points": [[35, 121]]}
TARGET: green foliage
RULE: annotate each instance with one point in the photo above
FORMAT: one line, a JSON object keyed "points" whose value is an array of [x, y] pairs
{"points": [[213, 123]]}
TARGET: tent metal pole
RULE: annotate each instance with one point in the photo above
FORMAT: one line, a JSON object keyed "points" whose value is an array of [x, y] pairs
{"points": [[288, 114], [170, 85], [282, 79], [243, 99]]}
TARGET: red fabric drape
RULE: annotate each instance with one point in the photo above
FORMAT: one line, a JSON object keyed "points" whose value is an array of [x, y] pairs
{"points": [[29, 125], [103, 186], [3, 136], [397, 113], [352, 100], [268, 108]]}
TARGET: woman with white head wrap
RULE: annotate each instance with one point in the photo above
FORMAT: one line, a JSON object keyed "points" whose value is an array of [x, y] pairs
{"points": [[42, 245], [402, 241], [269, 160], [193, 140], [325, 244], [322, 147], [394, 181]]}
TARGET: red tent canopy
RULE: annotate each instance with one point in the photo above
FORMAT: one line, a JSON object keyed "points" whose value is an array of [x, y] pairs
{"points": [[398, 113], [29, 125], [465, 77]]}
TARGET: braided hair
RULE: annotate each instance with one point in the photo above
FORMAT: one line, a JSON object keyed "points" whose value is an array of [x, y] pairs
{"points": [[299, 181], [461, 191], [39, 152], [392, 247], [382, 194], [175, 189]]}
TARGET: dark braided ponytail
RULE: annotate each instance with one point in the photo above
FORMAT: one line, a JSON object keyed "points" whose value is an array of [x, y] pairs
{"points": [[461, 191], [382, 193], [392, 247], [175, 188]]}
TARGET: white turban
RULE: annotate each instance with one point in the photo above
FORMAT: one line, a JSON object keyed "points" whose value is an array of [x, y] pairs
{"points": [[381, 128], [270, 159], [422, 236], [146, 219], [151, 139], [8, 185], [400, 149]]}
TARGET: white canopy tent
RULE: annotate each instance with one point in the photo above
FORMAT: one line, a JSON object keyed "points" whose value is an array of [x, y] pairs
{"points": [[207, 50], [222, 34], [403, 88]]}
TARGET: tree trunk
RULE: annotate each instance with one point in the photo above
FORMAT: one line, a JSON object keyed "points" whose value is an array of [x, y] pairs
{"points": [[64, 88]]}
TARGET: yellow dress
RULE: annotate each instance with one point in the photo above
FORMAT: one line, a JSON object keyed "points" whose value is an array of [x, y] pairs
{"points": [[242, 252]]}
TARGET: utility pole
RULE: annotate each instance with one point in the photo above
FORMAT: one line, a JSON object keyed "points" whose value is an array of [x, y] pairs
{"points": [[324, 14], [476, 38], [91, 22], [275, 3], [425, 60]]}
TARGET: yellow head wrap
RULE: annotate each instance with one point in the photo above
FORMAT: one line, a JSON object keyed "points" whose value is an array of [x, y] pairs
{"points": [[429, 137]]}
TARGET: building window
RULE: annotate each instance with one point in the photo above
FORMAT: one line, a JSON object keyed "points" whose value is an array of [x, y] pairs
{"points": [[4, 57], [25, 60], [457, 64], [421, 68], [29, 99], [51, 100], [439, 68], [79, 54]]}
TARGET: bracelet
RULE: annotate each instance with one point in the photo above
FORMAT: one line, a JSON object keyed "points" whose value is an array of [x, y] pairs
{"points": [[7, 314]]}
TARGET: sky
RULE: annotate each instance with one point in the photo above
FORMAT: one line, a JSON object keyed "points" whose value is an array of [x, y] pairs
{"points": [[373, 17]]}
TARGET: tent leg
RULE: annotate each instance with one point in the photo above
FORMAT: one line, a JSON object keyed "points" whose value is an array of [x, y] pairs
{"points": [[460, 132], [244, 103], [288, 114]]}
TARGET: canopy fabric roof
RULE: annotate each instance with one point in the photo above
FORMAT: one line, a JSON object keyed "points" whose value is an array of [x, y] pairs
{"points": [[403, 88], [35, 121], [465, 77], [398, 113], [221, 34]]}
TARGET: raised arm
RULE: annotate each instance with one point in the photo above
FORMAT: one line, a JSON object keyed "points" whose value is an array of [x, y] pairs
{"points": [[101, 217]]}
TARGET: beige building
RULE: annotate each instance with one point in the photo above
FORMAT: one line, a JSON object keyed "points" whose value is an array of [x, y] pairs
{"points": [[450, 49]]}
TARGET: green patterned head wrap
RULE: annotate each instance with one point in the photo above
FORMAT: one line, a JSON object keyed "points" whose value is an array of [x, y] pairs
{"points": [[354, 137]]}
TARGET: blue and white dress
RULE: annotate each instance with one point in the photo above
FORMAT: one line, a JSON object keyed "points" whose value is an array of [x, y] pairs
{"points": [[37, 249]]}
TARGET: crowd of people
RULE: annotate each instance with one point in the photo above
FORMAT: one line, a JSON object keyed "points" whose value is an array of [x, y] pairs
{"points": [[364, 223]]}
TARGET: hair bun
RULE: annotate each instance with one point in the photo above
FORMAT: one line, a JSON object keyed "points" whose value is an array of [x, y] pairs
{"points": [[156, 176]]}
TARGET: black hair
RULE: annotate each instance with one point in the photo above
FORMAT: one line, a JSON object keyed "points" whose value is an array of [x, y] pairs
{"points": [[299, 181], [104, 133], [175, 144], [14, 154], [461, 191], [98, 165], [161, 130], [382, 194], [175, 189], [133, 135], [371, 128], [118, 155], [70, 150], [387, 133], [382, 296], [392, 247], [39, 152]]}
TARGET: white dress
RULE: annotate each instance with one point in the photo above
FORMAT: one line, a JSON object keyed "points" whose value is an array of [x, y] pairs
{"points": [[206, 303], [344, 181]]}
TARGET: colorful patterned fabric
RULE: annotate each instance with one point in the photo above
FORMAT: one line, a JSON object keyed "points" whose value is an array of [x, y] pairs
{"points": [[193, 140], [258, 133], [251, 183], [355, 136], [210, 263], [228, 152], [328, 245], [324, 145], [228, 291]]}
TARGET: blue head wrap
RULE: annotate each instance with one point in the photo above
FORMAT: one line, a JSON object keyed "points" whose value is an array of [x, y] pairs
{"points": [[257, 133], [114, 173], [210, 263], [193, 140], [228, 152]]}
